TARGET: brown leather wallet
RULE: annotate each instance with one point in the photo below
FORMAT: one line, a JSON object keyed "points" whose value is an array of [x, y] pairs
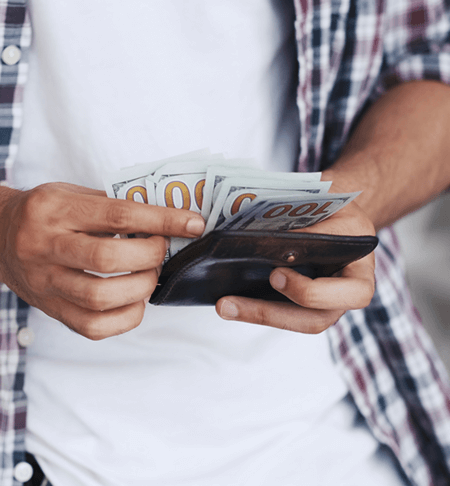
{"points": [[240, 262]]}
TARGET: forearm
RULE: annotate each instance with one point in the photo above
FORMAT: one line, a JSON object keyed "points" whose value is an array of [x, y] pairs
{"points": [[399, 153]]}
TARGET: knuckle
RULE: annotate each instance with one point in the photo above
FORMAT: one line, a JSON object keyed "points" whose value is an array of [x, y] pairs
{"points": [[23, 246], [318, 328], [102, 257], [134, 318], [161, 251], [94, 335], [118, 217], [97, 326], [156, 250], [39, 209], [167, 223], [305, 296], [153, 281], [91, 329], [150, 283], [37, 197], [60, 245], [40, 202], [262, 316], [95, 298], [323, 322], [368, 291]]}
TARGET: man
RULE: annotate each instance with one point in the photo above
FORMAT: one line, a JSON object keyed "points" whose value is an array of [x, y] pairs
{"points": [[349, 54]]}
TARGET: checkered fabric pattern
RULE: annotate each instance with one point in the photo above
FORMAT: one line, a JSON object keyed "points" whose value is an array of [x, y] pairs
{"points": [[350, 52], [15, 30]]}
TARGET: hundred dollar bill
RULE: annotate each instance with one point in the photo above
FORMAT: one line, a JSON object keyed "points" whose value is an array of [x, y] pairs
{"points": [[128, 183], [231, 196], [180, 184], [194, 166], [131, 183], [135, 190], [237, 193], [287, 213], [135, 176], [215, 175]]}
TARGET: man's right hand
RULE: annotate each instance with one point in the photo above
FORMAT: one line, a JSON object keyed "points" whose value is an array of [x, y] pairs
{"points": [[51, 234]]}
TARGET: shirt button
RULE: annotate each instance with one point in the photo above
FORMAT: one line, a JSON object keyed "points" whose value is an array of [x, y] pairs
{"points": [[11, 55], [25, 337], [23, 472]]}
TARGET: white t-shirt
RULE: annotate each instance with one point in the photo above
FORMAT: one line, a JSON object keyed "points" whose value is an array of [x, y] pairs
{"points": [[186, 398]]}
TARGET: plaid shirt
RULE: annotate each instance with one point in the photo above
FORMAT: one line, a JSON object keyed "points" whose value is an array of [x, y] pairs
{"points": [[350, 52]]}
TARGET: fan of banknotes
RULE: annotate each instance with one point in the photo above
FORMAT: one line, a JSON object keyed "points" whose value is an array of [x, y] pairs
{"points": [[230, 194]]}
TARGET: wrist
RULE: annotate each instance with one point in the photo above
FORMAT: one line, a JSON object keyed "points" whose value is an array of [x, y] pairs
{"points": [[355, 172]]}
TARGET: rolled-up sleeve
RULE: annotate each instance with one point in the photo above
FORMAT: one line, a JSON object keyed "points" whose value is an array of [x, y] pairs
{"points": [[416, 42]]}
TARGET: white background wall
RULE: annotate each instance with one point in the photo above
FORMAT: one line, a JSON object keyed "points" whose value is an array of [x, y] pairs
{"points": [[425, 240]]}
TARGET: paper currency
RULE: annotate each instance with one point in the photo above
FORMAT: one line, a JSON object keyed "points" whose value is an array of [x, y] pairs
{"points": [[229, 193], [180, 184], [215, 175], [135, 176], [275, 213], [135, 190], [237, 193], [157, 183]]}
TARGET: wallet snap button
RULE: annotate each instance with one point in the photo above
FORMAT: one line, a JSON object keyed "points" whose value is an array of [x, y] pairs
{"points": [[290, 256]]}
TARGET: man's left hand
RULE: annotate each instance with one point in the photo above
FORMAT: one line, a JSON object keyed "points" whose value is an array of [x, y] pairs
{"points": [[316, 303]]}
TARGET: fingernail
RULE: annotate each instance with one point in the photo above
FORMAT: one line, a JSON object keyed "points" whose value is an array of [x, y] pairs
{"points": [[195, 226], [228, 310], [278, 280]]}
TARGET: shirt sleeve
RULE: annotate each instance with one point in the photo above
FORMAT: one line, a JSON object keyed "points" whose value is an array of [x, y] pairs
{"points": [[416, 42]]}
